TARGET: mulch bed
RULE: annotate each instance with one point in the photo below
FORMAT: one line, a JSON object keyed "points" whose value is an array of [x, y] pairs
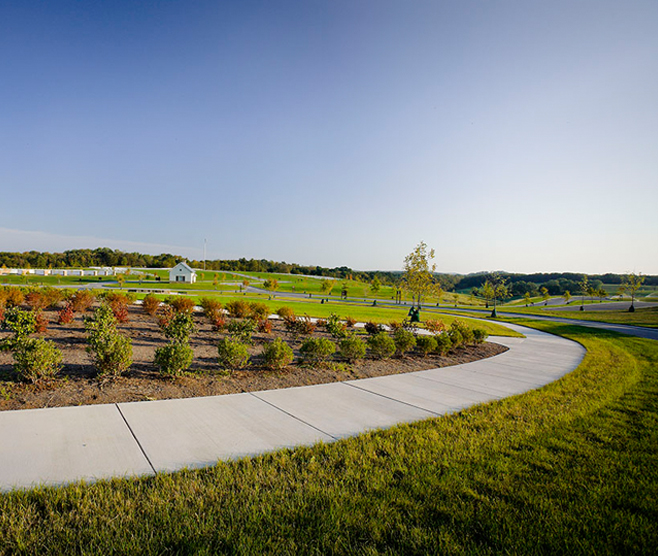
{"points": [[77, 383]]}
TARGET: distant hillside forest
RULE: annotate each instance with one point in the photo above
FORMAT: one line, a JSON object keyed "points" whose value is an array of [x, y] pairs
{"points": [[555, 282]]}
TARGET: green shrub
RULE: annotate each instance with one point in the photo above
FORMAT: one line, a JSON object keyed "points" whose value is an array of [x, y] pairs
{"points": [[21, 323], [463, 329], [277, 354], [174, 358], [36, 358], [404, 340], [336, 328], [317, 349], [381, 345], [232, 353], [352, 348], [479, 335], [426, 344], [179, 327], [242, 330], [456, 338], [443, 343], [113, 355]]}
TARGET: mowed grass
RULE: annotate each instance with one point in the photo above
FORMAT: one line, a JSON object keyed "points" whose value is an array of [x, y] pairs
{"points": [[567, 469], [647, 316]]}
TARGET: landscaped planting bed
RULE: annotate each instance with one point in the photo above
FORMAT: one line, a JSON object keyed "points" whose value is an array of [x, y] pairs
{"points": [[78, 381]]}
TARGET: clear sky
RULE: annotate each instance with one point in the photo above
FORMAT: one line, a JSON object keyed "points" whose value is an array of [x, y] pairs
{"points": [[513, 135]]}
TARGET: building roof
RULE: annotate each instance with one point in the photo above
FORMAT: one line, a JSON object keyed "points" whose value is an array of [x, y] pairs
{"points": [[186, 267]]}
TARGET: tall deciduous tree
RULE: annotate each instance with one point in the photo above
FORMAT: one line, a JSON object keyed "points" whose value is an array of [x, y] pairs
{"points": [[630, 284], [497, 287], [418, 270]]}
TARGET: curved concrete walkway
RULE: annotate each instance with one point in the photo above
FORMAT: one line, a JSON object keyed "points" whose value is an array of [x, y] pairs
{"points": [[60, 445]]}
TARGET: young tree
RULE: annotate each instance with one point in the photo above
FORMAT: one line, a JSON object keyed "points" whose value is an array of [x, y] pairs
{"points": [[544, 295], [583, 286], [526, 298], [271, 285], [418, 272], [601, 294], [327, 286], [487, 293], [567, 296], [375, 285], [215, 281], [497, 288], [630, 284]]}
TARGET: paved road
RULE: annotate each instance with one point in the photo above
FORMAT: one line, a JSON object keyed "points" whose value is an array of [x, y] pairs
{"points": [[60, 445]]}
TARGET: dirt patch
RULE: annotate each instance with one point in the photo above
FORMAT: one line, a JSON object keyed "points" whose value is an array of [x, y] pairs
{"points": [[77, 383]]}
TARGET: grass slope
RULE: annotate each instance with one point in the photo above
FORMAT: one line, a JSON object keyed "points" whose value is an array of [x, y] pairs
{"points": [[567, 469], [647, 316]]}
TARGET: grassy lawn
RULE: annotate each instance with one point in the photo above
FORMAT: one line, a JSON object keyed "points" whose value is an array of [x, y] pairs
{"points": [[641, 317], [567, 469]]}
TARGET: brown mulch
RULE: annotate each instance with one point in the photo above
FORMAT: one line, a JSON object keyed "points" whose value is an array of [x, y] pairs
{"points": [[77, 383]]}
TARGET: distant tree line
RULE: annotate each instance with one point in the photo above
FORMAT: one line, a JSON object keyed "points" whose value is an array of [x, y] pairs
{"points": [[555, 282]]}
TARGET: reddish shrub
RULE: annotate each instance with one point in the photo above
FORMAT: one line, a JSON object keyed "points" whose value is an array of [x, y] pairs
{"points": [[120, 312], [285, 312], [264, 326], [165, 314], [14, 297], [321, 323], [350, 322], [372, 328], [36, 301], [238, 309], [41, 323], [395, 325], [219, 323], [65, 316], [151, 304], [435, 326], [82, 300], [181, 304]]}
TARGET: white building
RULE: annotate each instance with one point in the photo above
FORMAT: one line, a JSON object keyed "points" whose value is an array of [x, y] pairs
{"points": [[182, 272]]}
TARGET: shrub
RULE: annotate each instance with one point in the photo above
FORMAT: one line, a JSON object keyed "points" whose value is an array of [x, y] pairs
{"points": [[35, 301], [444, 343], [352, 348], [404, 340], [242, 330], [150, 304], [336, 328], [435, 326], [219, 323], [179, 328], [81, 300], [65, 316], [174, 358], [479, 335], [2, 313], [381, 345], [36, 358], [258, 311], [100, 326], [426, 344], [52, 297], [14, 297], [299, 325], [264, 326], [317, 349], [112, 355], [232, 353], [277, 354], [285, 312], [395, 325], [372, 328], [40, 323], [238, 309], [21, 323], [461, 332], [121, 313], [212, 308], [165, 314], [321, 323], [180, 304], [350, 321]]}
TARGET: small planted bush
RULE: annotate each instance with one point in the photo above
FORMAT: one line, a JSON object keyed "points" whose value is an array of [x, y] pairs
{"points": [[352, 348], [174, 358], [21, 323], [181, 304], [150, 304], [317, 349], [465, 331], [336, 328], [212, 308], [35, 301], [443, 343], [65, 315], [372, 328], [258, 311], [242, 330], [381, 345], [238, 309], [277, 354], [395, 325], [426, 344], [82, 300], [299, 325], [40, 323], [264, 326], [350, 321], [404, 340], [479, 335], [36, 358], [285, 312], [113, 356], [179, 327], [435, 326], [14, 297], [232, 353]]}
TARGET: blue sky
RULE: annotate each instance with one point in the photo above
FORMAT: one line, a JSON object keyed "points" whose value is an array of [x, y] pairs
{"points": [[515, 135]]}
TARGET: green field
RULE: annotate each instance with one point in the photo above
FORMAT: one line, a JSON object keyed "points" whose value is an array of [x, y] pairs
{"points": [[570, 468], [640, 317]]}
